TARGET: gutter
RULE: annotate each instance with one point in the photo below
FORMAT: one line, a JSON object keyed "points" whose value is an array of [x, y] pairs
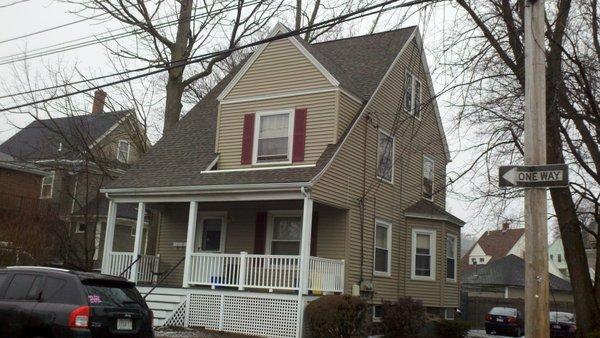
{"points": [[23, 168], [203, 189]]}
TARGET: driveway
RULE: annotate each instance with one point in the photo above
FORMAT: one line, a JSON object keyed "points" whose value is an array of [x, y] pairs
{"points": [[179, 332], [482, 334]]}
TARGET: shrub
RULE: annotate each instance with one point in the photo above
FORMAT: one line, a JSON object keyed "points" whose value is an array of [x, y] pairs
{"points": [[594, 334], [336, 316], [453, 328], [403, 318]]}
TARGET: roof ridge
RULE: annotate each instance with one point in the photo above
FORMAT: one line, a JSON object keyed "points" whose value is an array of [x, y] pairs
{"points": [[362, 36]]}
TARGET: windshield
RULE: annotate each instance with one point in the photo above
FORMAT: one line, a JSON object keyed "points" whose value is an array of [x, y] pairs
{"points": [[101, 294], [562, 317], [503, 311]]}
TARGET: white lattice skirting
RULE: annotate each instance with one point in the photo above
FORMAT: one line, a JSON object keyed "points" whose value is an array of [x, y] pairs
{"points": [[261, 314]]}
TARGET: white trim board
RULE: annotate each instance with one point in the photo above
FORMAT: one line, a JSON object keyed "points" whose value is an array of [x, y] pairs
{"points": [[257, 168], [279, 28]]}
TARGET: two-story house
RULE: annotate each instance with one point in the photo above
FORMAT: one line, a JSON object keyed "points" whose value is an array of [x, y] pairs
{"points": [[309, 169], [80, 153]]}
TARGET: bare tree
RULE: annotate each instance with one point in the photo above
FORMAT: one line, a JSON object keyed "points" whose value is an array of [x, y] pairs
{"points": [[485, 58], [198, 27]]}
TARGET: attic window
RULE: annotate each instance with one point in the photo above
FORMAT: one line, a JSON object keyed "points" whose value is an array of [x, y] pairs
{"points": [[273, 136], [47, 184], [428, 177], [412, 95], [123, 151]]}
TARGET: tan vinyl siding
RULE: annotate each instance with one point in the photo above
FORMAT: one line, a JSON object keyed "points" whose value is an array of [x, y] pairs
{"points": [[343, 183], [280, 68], [319, 122], [241, 217], [348, 109]]}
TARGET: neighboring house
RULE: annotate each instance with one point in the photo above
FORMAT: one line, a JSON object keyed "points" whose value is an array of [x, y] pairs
{"points": [[502, 283], [493, 245], [79, 154], [20, 182], [310, 169], [556, 256]]}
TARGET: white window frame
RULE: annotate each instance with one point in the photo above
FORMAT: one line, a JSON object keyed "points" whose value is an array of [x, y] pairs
{"points": [[451, 310], [388, 226], [381, 131], [119, 150], [433, 255], [413, 106], [428, 158], [200, 229], [52, 174], [375, 318], [455, 241], [270, 221], [257, 117], [77, 229]]}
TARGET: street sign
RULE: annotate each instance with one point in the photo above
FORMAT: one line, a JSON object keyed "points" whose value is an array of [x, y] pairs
{"points": [[534, 176]]}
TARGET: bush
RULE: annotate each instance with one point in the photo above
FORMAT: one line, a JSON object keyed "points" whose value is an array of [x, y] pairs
{"points": [[453, 328], [336, 316], [594, 334], [403, 318]]}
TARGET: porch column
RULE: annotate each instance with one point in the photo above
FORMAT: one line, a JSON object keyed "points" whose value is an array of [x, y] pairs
{"points": [[305, 242], [191, 234], [109, 236], [137, 244]]}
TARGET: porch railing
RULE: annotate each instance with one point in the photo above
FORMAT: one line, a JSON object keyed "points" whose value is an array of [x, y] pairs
{"points": [[272, 272], [147, 266]]}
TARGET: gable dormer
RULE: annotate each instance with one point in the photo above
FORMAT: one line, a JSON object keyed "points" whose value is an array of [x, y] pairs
{"points": [[279, 110]]}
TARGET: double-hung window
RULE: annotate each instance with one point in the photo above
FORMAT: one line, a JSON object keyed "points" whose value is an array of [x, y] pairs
{"points": [[47, 185], [423, 254], [412, 95], [451, 248], [123, 151], [428, 177], [285, 233], [273, 140], [383, 236], [385, 157]]}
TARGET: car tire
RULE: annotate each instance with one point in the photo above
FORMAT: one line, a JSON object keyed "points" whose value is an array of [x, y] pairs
{"points": [[518, 332], [488, 331]]}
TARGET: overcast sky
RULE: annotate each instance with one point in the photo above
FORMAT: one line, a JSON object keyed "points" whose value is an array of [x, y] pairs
{"points": [[35, 15]]}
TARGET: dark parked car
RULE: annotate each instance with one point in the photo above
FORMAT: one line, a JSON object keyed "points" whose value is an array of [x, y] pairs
{"points": [[504, 320], [49, 302], [562, 325]]}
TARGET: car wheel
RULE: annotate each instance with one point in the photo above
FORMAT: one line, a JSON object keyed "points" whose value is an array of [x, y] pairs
{"points": [[488, 331]]}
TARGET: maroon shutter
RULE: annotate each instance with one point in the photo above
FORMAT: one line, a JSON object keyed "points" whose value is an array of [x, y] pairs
{"points": [[299, 134], [313, 234], [260, 233], [247, 139]]}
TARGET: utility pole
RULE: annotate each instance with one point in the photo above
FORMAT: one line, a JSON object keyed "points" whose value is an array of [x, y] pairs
{"points": [[536, 231]]}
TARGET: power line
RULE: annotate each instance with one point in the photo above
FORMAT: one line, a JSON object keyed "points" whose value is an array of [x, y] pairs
{"points": [[13, 3], [91, 40], [321, 25]]}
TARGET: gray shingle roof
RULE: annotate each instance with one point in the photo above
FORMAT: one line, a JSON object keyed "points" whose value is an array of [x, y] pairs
{"points": [[41, 138], [359, 64], [425, 208], [507, 271]]}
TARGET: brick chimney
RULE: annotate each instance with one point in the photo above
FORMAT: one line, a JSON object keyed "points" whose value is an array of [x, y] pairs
{"points": [[99, 98], [505, 226]]}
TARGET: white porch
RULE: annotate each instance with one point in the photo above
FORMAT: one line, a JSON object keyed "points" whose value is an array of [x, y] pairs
{"points": [[194, 257]]}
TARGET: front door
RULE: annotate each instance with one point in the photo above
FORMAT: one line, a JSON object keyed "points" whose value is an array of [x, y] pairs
{"points": [[210, 233]]}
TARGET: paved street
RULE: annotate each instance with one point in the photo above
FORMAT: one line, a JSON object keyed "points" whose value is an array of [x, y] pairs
{"points": [[482, 334]]}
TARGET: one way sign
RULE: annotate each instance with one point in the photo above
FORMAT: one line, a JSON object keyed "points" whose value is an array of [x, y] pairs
{"points": [[550, 175]]}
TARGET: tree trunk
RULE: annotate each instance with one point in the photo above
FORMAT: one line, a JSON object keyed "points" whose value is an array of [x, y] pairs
{"points": [[179, 53]]}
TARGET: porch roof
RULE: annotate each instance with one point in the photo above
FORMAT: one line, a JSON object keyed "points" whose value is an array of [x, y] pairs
{"points": [[428, 209], [181, 156]]}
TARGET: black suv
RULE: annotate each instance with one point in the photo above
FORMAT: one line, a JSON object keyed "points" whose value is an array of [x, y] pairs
{"points": [[50, 302]]}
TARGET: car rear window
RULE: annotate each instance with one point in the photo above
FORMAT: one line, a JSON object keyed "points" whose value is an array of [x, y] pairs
{"points": [[562, 317], [503, 311], [112, 294]]}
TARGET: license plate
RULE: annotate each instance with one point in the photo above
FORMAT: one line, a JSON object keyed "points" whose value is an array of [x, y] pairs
{"points": [[500, 320], [124, 324], [556, 326]]}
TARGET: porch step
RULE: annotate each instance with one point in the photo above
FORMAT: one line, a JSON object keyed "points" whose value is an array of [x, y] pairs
{"points": [[163, 302]]}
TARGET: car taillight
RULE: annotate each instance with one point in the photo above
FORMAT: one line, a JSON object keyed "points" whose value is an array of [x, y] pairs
{"points": [[512, 320], [488, 318], [80, 317], [151, 317]]}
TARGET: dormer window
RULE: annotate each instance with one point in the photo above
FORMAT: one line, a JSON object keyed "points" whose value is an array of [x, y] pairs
{"points": [[273, 137], [123, 151]]}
